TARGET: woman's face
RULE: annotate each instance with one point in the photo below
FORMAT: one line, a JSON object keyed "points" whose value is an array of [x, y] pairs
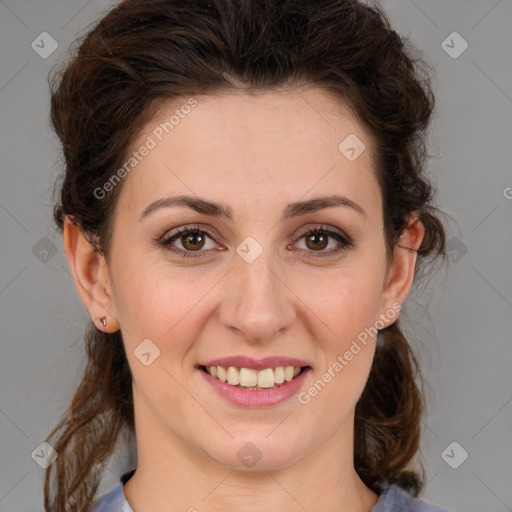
{"points": [[251, 284]]}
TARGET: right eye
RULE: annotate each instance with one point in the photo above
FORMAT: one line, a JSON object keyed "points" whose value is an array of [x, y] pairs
{"points": [[192, 240]]}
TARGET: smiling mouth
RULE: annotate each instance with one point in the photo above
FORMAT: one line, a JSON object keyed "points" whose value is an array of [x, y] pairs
{"points": [[248, 378]]}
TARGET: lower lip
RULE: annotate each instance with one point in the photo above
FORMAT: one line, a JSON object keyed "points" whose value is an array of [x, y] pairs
{"points": [[256, 397]]}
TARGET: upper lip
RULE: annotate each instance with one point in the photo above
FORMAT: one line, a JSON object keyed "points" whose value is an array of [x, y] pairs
{"points": [[256, 364]]}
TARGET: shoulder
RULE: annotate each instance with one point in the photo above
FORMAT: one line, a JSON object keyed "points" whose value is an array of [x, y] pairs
{"points": [[395, 498], [113, 501]]}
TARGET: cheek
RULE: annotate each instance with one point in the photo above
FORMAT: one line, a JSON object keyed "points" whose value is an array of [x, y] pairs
{"points": [[346, 307], [349, 346], [350, 310], [162, 303], [346, 302]]}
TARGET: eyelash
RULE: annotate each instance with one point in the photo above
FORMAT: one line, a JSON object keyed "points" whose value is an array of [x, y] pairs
{"points": [[167, 240]]}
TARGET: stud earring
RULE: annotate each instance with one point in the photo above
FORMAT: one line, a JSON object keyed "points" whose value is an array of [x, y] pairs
{"points": [[103, 321]]}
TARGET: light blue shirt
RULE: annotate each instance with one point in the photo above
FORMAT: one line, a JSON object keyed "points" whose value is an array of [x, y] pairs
{"points": [[392, 499]]}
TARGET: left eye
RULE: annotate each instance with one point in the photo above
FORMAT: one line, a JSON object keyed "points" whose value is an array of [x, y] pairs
{"points": [[317, 239]]}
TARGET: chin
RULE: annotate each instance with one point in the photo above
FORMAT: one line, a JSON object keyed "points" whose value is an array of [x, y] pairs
{"points": [[259, 451]]}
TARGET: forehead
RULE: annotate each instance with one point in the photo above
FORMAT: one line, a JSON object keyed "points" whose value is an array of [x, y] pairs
{"points": [[251, 148]]}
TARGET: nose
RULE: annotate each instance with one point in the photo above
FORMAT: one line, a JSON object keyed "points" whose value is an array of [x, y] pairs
{"points": [[257, 301]]}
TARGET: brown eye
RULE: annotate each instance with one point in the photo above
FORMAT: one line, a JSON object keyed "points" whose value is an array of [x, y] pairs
{"points": [[317, 241], [193, 240]]}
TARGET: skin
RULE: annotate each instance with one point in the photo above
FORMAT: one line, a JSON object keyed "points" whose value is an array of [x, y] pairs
{"points": [[255, 154]]}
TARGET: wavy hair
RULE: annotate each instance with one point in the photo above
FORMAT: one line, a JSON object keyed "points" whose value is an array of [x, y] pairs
{"points": [[142, 53]]}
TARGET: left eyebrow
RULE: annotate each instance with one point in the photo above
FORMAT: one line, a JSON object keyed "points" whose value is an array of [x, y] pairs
{"points": [[219, 210], [319, 203]]}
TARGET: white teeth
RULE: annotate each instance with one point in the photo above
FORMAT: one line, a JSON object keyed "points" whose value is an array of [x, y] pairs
{"points": [[266, 378], [279, 375], [221, 373], [250, 378], [288, 373], [233, 376]]}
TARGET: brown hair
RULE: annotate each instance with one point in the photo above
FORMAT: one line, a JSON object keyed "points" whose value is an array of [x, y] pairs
{"points": [[144, 52]]}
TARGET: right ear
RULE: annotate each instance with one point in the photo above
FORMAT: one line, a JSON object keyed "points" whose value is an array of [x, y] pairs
{"points": [[91, 277]]}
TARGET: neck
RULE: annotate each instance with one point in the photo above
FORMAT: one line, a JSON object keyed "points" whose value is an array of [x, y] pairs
{"points": [[173, 475]]}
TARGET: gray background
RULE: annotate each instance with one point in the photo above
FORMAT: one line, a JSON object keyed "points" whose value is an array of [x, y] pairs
{"points": [[463, 340]]}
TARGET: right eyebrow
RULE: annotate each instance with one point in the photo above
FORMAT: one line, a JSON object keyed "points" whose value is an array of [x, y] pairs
{"points": [[196, 203]]}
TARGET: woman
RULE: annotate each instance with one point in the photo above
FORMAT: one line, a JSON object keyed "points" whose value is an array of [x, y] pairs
{"points": [[244, 212]]}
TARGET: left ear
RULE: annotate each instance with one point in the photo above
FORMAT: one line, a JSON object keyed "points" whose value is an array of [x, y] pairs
{"points": [[400, 276]]}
